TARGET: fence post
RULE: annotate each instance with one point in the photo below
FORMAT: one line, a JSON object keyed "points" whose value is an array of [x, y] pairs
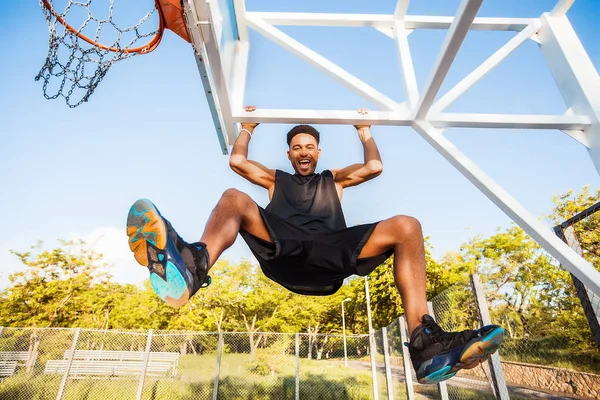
{"points": [[496, 371], [410, 392], [297, 366], [566, 233], [219, 352], [63, 382], [388, 365], [144, 365], [372, 344], [1, 330], [441, 385], [32, 351]]}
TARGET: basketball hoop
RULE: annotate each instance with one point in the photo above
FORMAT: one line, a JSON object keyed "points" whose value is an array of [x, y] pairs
{"points": [[77, 60]]}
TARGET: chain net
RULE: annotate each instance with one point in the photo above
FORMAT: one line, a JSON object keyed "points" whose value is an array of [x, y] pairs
{"points": [[85, 40]]}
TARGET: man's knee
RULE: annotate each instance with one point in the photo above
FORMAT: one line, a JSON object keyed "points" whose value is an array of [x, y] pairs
{"points": [[235, 200], [231, 193], [407, 226]]}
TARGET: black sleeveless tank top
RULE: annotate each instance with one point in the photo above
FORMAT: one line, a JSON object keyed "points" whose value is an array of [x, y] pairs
{"points": [[309, 202]]}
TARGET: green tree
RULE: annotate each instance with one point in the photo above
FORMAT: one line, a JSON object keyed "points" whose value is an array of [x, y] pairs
{"points": [[587, 230], [520, 277], [132, 307], [54, 288]]}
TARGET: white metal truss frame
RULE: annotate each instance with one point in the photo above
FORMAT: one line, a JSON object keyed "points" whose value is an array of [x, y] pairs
{"points": [[576, 77]]}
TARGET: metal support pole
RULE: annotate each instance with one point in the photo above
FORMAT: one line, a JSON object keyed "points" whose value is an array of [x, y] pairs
{"points": [[372, 344], [410, 391], [32, 351], [344, 333], [219, 353], [441, 385], [577, 81], [498, 382], [63, 382], [388, 365], [297, 366], [566, 233], [144, 365]]}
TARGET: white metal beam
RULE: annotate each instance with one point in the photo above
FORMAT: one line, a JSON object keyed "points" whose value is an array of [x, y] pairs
{"points": [[240, 72], [401, 9], [479, 24], [239, 7], [578, 135], [324, 19], [343, 117], [561, 7], [320, 62], [488, 65], [240, 67], [575, 75], [408, 71], [389, 32], [581, 268], [402, 118], [509, 121], [456, 34], [386, 21]]}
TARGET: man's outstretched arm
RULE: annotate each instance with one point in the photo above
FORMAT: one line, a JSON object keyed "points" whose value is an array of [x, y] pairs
{"points": [[372, 167], [248, 169]]}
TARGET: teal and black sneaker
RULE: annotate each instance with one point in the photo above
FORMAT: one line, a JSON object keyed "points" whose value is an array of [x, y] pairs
{"points": [[177, 269], [438, 355]]}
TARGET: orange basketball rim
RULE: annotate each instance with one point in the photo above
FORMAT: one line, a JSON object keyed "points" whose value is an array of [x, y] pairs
{"points": [[170, 17]]}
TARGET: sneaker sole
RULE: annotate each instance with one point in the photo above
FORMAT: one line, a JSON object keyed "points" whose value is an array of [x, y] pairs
{"points": [[481, 350], [475, 353], [153, 248], [438, 376]]}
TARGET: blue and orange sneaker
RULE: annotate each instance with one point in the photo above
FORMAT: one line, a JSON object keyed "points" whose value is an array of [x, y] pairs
{"points": [[177, 269], [438, 355]]}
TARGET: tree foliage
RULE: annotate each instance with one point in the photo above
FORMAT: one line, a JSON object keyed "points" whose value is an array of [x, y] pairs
{"points": [[53, 290], [570, 204]]}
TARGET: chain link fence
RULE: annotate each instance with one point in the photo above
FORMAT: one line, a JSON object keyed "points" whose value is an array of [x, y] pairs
{"points": [[534, 362], [455, 309], [38, 364]]}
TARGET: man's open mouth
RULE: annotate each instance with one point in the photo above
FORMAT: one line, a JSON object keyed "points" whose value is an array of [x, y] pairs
{"points": [[304, 164]]}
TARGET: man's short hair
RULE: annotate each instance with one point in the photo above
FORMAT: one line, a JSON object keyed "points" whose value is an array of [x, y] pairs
{"points": [[298, 129]]}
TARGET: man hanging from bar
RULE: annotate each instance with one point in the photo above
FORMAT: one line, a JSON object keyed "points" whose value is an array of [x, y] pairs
{"points": [[301, 241]]}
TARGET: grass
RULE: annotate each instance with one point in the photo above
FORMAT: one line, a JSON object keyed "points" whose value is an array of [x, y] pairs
{"points": [[265, 377]]}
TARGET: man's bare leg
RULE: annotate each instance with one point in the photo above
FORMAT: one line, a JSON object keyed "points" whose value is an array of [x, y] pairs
{"points": [[404, 235], [436, 355], [235, 211]]}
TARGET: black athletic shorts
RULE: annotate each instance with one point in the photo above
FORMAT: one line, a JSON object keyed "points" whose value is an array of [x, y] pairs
{"points": [[315, 263]]}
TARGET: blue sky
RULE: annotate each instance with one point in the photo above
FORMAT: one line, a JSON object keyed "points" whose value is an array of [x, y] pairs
{"points": [[147, 132]]}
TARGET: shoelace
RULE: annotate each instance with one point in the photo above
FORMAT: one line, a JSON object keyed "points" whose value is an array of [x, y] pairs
{"points": [[438, 335]]}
